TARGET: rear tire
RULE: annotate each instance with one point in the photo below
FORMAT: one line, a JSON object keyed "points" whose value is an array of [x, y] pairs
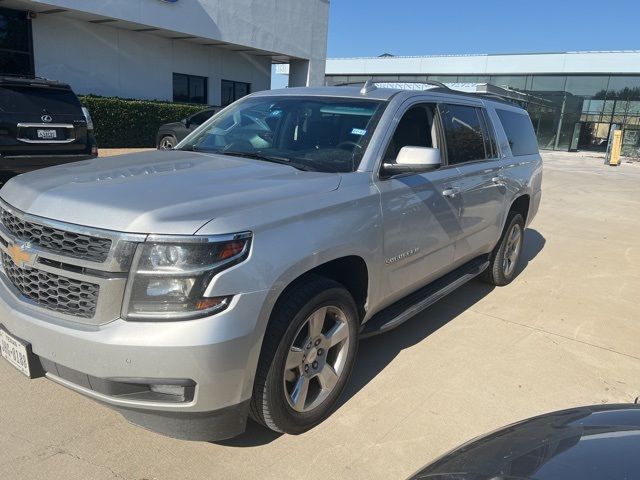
{"points": [[307, 356], [504, 258]]}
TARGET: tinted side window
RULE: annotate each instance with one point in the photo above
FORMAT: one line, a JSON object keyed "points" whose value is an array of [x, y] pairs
{"points": [[201, 117], [463, 133], [519, 131], [413, 130]]}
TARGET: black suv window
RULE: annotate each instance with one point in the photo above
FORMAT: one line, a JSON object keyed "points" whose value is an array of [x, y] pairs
{"points": [[19, 99], [413, 130], [463, 130], [519, 131], [201, 117]]}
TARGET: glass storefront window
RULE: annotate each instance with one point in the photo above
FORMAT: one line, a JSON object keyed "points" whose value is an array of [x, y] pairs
{"points": [[608, 106], [592, 106], [547, 83], [16, 55], [337, 79], [587, 86], [624, 86], [444, 78], [473, 79], [514, 82]]}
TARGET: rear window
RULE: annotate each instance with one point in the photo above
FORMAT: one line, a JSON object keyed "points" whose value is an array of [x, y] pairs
{"points": [[520, 134], [18, 99]]}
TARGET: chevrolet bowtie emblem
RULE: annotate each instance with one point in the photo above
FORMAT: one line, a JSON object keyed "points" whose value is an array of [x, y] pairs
{"points": [[18, 254]]}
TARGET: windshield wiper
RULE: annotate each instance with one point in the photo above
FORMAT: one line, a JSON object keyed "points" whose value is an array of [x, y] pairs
{"points": [[268, 158]]}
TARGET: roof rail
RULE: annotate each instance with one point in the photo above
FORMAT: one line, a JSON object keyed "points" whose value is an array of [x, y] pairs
{"points": [[25, 76], [372, 85]]}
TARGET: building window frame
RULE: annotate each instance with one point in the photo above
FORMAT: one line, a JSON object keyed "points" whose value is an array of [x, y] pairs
{"points": [[189, 97], [234, 91], [29, 47]]}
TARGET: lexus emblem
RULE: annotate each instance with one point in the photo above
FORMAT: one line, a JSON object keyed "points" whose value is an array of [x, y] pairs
{"points": [[46, 118]]}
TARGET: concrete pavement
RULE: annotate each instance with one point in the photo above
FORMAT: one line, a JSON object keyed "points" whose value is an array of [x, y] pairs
{"points": [[564, 333]]}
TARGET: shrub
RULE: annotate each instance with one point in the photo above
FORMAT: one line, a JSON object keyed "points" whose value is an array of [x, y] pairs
{"points": [[121, 123]]}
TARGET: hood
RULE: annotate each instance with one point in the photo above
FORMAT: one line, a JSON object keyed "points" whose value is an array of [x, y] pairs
{"points": [[170, 192], [586, 443]]}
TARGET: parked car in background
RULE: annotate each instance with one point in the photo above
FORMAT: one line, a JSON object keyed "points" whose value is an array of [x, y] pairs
{"points": [[234, 275], [170, 134], [42, 123], [585, 443]]}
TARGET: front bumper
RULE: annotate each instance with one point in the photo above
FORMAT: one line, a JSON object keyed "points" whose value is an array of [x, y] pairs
{"points": [[216, 355]]}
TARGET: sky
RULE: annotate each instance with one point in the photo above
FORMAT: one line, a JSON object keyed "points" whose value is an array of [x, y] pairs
{"points": [[430, 27], [360, 28]]}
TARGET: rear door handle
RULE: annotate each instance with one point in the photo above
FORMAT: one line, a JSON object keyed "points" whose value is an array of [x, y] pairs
{"points": [[450, 192]]}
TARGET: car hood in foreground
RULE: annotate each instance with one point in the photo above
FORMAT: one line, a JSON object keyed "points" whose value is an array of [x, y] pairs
{"points": [[171, 192], [587, 443]]}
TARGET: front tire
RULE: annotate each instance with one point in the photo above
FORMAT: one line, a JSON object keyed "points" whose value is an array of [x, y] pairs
{"points": [[504, 258], [167, 142], [307, 356]]}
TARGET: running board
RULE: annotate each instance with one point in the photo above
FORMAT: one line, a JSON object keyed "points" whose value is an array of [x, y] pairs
{"points": [[404, 309]]}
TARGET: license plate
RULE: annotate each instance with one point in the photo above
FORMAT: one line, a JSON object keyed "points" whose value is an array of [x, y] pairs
{"points": [[15, 352], [47, 134]]}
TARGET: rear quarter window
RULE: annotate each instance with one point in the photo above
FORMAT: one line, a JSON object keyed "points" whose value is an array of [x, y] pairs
{"points": [[519, 131]]}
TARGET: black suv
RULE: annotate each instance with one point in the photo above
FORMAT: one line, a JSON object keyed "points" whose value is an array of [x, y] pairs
{"points": [[170, 134], [42, 123]]}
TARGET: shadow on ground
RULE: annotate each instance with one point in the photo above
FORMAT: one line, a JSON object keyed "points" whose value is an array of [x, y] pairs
{"points": [[377, 352]]}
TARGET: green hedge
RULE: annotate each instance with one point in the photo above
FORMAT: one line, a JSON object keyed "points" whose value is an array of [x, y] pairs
{"points": [[121, 123]]}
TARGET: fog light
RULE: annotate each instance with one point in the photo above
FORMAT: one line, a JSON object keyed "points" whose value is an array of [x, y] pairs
{"points": [[175, 390]]}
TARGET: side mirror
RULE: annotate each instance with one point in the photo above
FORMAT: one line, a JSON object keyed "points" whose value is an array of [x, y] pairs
{"points": [[185, 122], [414, 160]]}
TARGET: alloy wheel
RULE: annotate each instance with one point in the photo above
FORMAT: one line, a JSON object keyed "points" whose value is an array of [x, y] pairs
{"points": [[316, 359], [512, 250], [166, 143]]}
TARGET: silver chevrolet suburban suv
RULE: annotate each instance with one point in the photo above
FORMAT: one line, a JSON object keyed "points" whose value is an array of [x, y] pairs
{"points": [[234, 275]]}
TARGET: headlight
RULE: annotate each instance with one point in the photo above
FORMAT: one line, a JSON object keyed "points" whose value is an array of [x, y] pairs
{"points": [[170, 275]]}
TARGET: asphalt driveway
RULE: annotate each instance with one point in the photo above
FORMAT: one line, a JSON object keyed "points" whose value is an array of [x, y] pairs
{"points": [[564, 333]]}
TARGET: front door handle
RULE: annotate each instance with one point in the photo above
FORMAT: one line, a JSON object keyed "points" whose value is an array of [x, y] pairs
{"points": [[450, 192]]}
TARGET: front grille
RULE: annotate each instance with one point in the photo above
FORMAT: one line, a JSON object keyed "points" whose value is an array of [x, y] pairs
{"points": [[51, 291], [85, 247]]}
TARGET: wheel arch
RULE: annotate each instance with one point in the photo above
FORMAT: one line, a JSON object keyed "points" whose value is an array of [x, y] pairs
{"points": [[521, 205], [350, 271]]}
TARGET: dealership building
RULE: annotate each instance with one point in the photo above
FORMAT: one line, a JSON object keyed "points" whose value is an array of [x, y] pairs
{"points": [[200, 51], [574, 98]]}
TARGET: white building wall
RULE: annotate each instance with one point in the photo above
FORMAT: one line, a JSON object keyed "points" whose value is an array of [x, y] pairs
{"points": [[102, 60], [293, 28]]}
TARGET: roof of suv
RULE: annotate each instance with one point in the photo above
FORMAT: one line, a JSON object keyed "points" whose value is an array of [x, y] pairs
{"points": [[376, 93]]}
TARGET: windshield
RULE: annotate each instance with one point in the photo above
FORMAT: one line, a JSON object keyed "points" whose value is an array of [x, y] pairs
{"points": [[321, 134]]}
